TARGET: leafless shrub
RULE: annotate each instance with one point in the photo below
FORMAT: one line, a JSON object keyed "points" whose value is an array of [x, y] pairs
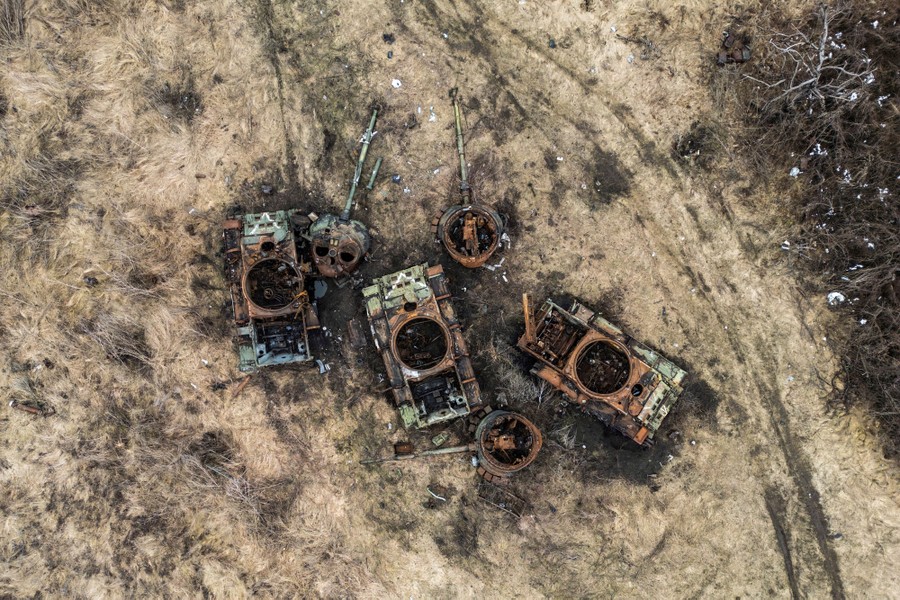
{"points": [[12, 21], [122, 338], [823, 109]]}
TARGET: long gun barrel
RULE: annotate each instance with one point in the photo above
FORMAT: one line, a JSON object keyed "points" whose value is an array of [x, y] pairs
{"points": [[438, 452], [367, 138], [461, 148]]}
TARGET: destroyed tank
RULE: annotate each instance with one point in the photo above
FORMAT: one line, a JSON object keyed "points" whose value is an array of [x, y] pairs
{"points": [[469, 231], [268, 280], [339, 243], [418, 335], [624, 383]]}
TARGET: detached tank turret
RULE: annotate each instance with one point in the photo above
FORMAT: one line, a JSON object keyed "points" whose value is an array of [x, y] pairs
{"points": [[339, 243], [470, 231]]}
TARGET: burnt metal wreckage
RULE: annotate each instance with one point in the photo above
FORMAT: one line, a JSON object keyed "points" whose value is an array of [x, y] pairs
{"points": [[270, 287], [469, 231], [627, 385], [271, 260], [430, 373], [420, 340], [734, 49]]}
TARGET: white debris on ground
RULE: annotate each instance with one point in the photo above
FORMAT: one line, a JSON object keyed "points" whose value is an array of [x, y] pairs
{"points": [[794, 172], [395, 83], [835, 298]]}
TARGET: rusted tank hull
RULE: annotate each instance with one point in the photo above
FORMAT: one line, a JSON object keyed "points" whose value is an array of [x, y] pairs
{"points": [[272, 310], [595, 364], [420, 340]]}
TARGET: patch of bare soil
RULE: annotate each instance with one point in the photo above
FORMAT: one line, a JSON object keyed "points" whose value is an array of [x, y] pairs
{"points": [[129, 131]]}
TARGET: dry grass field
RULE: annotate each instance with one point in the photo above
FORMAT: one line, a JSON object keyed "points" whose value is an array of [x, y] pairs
{"points": [[129, 130]]}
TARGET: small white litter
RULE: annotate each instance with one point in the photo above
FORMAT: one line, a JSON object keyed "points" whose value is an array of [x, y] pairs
{"points": [[835, 298], [395, 83], [794, 172]]}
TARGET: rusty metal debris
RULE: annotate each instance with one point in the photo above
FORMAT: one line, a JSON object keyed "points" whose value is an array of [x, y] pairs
{"points": [[595, 364], [339, 243], [269, 260], [733, 50], [416, 330], [469, 231], [240, 386], [32, 408], [270, 287]]}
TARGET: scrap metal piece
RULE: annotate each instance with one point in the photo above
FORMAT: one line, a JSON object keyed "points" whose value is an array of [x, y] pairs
{"points": [[33, 409], [371, 185], [339, 244], [272, 308], [628, 386], [470, 232], [440, 439], [420, 340], [733, 50]]}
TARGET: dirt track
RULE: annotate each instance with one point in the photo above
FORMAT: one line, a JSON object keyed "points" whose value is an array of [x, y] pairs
{"points": [[762, 493]]}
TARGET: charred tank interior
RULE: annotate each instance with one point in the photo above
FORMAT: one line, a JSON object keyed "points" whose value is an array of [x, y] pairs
{"points": [[471, 232], [602, 367], [421, 344], [438, 398], [508, 441], [273, 283]]}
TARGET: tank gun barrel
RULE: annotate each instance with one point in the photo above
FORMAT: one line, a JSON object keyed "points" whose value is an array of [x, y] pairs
{"points": [[438, 452], [367, 139], [461, 149]]}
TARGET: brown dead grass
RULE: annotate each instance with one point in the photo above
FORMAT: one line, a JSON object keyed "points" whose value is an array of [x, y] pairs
{"points": [[152, 480]]}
